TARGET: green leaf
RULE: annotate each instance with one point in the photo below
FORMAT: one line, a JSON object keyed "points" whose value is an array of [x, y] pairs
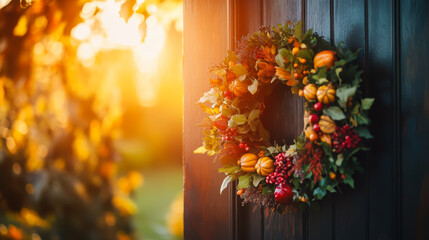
{"points": [[272, 150], [306, 54], [343, 93], [337, 72], [253, 87], [367, 103], [244, 181], [266, 190], [239, 119], [225, 182], [257, 179], [230, 170], [349, 180], [330, 189], [320, 75], [340, 159], [364, 132], [319, 193], [200, 150], [280, 60], [335, 113], [297, 30], [362, 119]]}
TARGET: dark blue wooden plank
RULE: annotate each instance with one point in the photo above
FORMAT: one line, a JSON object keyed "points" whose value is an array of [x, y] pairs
{"points": [[380, 72], [320, 224], [414, 117], [351, 207]]}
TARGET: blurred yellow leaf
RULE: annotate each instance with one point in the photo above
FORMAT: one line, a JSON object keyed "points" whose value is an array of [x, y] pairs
{"points": [[31, 218], [124, 205], [21, 27], [175, 217], [81, 146]]}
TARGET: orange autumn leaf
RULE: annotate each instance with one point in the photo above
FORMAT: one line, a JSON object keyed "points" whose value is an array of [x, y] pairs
{"points": [[266, 72], [269, 53], [286, 75]]}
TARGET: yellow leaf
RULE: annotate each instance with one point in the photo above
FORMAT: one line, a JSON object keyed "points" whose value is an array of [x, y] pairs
{"points": [[201, 150], [21, 28]]}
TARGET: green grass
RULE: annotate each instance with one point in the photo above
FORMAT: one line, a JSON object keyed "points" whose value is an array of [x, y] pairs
{"points": [[161, 186]]}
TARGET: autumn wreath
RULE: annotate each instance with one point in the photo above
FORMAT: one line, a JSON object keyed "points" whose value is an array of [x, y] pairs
{"points": [[335, 122]]}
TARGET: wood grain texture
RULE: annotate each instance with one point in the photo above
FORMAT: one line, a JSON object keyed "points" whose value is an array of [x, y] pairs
{"points": [[351, 207], [205, 43], [248, 19], [283, 118], [320, 217], [414, 117], [391, 199], [380, 75]]}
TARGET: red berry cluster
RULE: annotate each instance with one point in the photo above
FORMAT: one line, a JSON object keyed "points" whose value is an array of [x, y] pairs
{"points": [[244, 146], [229, 134], [228, 94], [283, 164], [344, 139]]}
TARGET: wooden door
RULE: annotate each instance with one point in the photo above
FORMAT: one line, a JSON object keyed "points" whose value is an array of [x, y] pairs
{"points": [[391, 199]]}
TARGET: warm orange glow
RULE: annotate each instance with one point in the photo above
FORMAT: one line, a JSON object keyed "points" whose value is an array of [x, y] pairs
{"points": [[108, 30]]}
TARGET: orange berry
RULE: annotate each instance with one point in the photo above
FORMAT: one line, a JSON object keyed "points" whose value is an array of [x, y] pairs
{"points": [[241, 191], [302, 60], [295, 65], [332, 175], [301, 92], [314, 137], [295, 50]]}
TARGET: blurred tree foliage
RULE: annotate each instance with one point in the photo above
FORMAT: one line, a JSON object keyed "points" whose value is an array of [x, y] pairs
{"points": [[58, 126]]}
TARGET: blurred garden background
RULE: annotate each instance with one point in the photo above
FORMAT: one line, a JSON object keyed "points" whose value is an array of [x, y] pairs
{"points": [[91, 119]]}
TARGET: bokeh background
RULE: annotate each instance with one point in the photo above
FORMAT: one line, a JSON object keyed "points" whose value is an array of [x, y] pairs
{"points": [[91, 119]]}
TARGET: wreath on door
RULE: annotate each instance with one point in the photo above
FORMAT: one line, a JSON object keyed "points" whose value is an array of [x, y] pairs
{"points": [[323, 157]]}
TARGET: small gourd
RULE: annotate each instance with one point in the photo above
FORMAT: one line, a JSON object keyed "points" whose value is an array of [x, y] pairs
{"points": [[248, 162], [324, 58], [265, 166], [326, 94], [238, 88], [327, 125], [310, 92]]}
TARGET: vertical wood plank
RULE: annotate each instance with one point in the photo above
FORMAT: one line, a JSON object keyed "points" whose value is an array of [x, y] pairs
{"points": [[351, 207], [414, 117], [248, 19], [380, 73], [206, 213], [283, 118], [320, 219]]}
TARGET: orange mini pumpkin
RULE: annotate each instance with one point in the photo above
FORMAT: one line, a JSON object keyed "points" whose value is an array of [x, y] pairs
{"points": [[324, 58], [310, 92], [248, 162], [264, 166], [327, 125], [326, 94], [238, 88]]}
